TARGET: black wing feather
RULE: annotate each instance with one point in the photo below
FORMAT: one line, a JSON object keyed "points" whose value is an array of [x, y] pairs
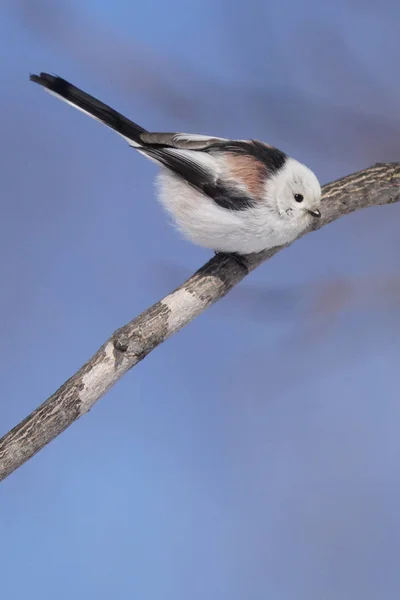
{"points": [[194, 172], [200, 177]]}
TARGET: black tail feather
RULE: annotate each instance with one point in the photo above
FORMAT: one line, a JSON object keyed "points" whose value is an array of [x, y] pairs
{"points": [[91, 105]]}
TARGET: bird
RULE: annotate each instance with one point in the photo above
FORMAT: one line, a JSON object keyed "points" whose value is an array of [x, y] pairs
{"points": [[235, 197]]}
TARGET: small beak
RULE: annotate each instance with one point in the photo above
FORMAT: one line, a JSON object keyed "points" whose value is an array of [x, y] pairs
{"points": [[314, 213]]}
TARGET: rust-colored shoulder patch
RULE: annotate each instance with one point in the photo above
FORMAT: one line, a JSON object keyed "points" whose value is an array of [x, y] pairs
{"points": [[249, 171]]}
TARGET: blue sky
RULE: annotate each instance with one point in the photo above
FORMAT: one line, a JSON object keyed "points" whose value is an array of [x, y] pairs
{"points": [[255, 454]]}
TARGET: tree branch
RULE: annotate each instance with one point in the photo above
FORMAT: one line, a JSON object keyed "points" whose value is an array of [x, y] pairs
{"points": [[377, 185]]}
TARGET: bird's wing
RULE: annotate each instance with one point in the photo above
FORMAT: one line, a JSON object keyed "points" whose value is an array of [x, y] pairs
{"points": [[203, 172], [231, 172], [196, 168], [257, 156], [183, 141]]}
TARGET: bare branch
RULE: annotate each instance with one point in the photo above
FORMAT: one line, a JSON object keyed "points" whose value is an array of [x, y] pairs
{"points": [[377, 185]]}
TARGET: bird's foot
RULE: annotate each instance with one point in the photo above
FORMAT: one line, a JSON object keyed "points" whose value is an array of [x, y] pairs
{"points": [[238, 258]]}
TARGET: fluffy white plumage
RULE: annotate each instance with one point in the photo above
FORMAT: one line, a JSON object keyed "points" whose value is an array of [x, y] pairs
{"points": [[275, 220]]}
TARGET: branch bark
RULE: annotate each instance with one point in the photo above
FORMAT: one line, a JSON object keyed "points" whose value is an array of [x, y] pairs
{"points": [[128, 345]]}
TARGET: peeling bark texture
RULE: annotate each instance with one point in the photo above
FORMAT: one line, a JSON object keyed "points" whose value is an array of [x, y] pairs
{"points": [[377, 185]]}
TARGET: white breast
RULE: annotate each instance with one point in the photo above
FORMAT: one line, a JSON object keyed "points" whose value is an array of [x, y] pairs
{"points": [[205, 223]]}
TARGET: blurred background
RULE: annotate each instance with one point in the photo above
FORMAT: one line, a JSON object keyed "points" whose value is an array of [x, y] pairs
{"points": [[255, 454]]}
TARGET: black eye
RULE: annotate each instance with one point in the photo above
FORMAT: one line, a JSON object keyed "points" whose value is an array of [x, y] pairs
{"points": [[299, 197]]}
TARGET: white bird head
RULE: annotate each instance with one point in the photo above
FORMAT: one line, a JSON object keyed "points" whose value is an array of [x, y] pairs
{"points": [[294, 191]]}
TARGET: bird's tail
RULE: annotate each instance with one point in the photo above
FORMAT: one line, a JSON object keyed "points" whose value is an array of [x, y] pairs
{"points": [[91, 106]]}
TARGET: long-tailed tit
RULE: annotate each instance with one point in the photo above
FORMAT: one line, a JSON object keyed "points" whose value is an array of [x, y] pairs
{"points": [[235, 196]]}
